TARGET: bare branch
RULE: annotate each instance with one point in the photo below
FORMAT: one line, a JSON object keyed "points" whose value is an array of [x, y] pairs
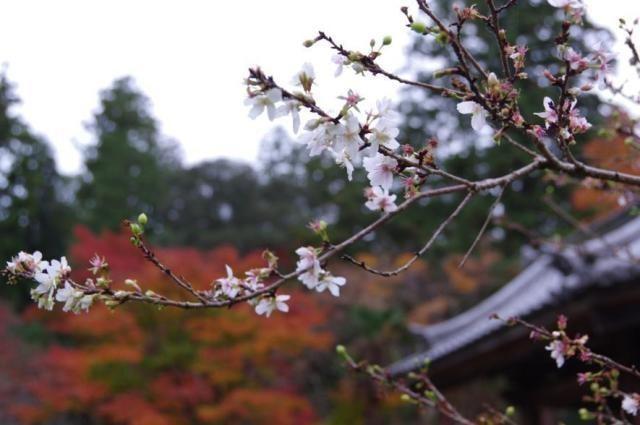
{"points": [[484, 226]]}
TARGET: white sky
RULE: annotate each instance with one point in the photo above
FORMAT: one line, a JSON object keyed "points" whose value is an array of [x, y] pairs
{"points": [[190, 58]]}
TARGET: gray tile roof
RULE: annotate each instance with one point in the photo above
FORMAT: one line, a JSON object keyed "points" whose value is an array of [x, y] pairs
{"points": [[605, 260]]}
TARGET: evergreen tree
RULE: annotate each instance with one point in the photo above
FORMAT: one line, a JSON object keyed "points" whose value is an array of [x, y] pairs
{"points": [[130, 165], [33, 215]]}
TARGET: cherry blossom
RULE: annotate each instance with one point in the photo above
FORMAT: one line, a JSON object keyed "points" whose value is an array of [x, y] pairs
{"points": [[305, 77], [321, 136], [342, 158], [517, 54], [630, 404], [291, 107], [549, 115], [308, 263], [229, 286], [383, 134], [574, 8], [253, 281], [341, 61], [577, 122], [25, 263], [478, 113], [48, 280], [603, 59], [576, 61], [67, 295], [268, 305], [385, 110], [380, 169], [332, 283], [264, 100], [379, 199], [564, 3], [97, 264], [556, 348], [352, 99], [348, 137]]}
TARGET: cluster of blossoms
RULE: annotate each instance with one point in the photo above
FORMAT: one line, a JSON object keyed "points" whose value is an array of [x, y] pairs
{"points": [[53, 282], [351, 141], [313, 276], [499, 97], [231, 287], [603, 383], [573, 8], [577, 124]]}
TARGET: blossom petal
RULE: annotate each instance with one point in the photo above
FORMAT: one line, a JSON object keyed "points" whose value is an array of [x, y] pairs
{"points": [[467, 107], [478, 121]]}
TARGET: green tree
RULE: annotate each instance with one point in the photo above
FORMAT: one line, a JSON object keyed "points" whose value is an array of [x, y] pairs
{"points": [[33, 215], [130, 165], [532, 24]]}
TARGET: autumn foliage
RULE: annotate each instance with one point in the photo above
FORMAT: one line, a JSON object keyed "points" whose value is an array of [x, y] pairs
{"points": [[141, 366]]}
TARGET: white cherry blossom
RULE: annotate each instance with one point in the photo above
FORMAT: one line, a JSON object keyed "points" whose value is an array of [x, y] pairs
{"points": [[556, 349], [348, 137], [262, 101], [563, 3], [380, 169], [478, 113], [268, 305], [230, 285], [340, 61], [630, 404], [309, 263], [385, 110], [549, 115], [344, 160], [69, 296], [305, 77], [332, 283], [291, 107], [379, 199], [384, 134], [321, 137], [84, 303], [25, 263]]}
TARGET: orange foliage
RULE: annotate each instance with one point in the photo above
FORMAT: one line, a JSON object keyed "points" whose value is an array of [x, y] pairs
{"points": [[139, 366], [613, 154], [259, 406], [430, 311], [474, 274]]}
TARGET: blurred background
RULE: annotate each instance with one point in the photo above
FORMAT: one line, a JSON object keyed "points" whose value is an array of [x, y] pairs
{"points": [[109, 109]]}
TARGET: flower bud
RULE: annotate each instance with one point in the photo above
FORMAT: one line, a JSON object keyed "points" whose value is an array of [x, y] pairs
{"points": [[133, 284], [430, 395], [355, 56], [308, 43], [510, 411], [386, 40], [142, 219], [584, 414], [419, 27], [136, 229]]}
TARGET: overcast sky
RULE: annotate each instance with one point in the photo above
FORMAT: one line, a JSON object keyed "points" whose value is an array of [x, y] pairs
{"points": [[190, 58]]}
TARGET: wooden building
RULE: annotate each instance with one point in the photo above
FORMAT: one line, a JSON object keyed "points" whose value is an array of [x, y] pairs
{"points": [[595, 283]]}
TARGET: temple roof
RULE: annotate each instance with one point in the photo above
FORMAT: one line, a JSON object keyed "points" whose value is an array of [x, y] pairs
{"points": [[551, 278]]}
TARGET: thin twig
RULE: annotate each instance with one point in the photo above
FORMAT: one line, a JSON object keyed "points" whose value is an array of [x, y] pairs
{"points": [[484, 226], [422, 250]]}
